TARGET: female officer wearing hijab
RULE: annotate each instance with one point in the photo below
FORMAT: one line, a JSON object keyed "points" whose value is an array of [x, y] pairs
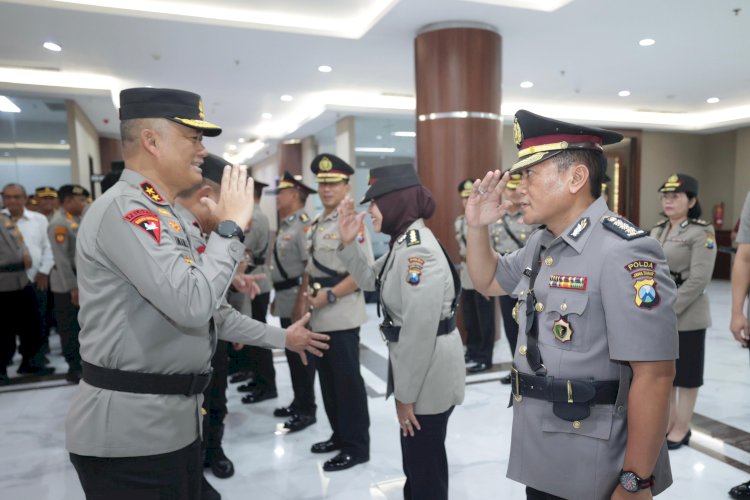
{"points": [[690, 246], [418, 289]]}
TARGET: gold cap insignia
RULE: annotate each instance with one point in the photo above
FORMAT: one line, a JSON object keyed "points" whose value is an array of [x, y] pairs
{"points": [[325, 164], [201, 114], [468, 185], [517, 133], [673, 178]]}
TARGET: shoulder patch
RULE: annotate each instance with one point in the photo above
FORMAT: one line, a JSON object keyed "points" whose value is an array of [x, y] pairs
{"points": [[60, 233], [412, 238], [152, 194], [146, 220], [622, 227], [700, 222]]}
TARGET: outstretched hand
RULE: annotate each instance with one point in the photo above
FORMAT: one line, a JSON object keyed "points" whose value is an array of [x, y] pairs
{"points": [[350, 222], [485, 205], [301, 340]]}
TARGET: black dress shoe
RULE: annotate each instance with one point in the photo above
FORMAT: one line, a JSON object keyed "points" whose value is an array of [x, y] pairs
{"points": [[673, 445], [249, 387], [241, 377], [208, 492], [28, 369], [258, 396], [220, 465], [343, 461], [505, 380], [478, 367], [324, 447], [283, 412], [298, 422], [740, 491]]}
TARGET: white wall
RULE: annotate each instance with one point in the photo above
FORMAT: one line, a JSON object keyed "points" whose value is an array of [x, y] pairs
{"points": [[84, 144]]}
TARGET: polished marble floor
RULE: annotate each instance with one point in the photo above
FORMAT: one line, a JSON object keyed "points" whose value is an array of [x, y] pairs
{"points": [[274, 466]]}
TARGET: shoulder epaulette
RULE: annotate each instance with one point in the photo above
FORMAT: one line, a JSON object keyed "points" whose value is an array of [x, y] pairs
{"points": [[700, 222], [152, 194], [661, 223], [412, 238], [622, 227]]}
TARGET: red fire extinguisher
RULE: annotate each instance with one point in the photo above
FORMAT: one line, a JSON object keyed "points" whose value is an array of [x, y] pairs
{"points": [[719, 215]]}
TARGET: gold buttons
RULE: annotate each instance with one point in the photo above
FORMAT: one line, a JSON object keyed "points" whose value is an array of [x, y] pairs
{"points": [[577, 424], [514, 312], [539, 307], [203, 412], [563, 307], [522, 350], [549, 260]]}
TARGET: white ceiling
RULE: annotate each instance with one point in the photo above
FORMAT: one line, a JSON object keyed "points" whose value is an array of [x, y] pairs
{"points": [[578, 56]]}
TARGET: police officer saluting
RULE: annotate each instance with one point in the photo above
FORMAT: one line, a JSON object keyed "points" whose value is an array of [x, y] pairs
{"points": [[597, 330], [338, 309], [148, 307], [287, 266]]}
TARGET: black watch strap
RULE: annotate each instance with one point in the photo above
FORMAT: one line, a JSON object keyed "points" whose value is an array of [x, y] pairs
{"points": [[230, 229]]}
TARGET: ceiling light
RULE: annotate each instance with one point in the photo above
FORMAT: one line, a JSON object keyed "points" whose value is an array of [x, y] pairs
{"points": [[232, 147], [52, 46], [267, 116], [405, 133], [375, 150], [379, 137], [241, 140], [286, 98], [63, 141], [647, 42], [7, 106], [623, 93], [325, 69], [712, 100], [527, 84]]}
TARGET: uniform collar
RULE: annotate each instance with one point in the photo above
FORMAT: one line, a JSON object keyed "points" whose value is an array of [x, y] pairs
{"points": [[417, 224], [578, 233], [24, 215]]}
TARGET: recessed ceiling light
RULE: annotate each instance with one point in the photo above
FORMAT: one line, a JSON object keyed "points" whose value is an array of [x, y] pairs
{"points": [[241, 140], [647, 42], [375, 150], [286, 98], [325, 69], [7, 106], [712, 100], [52, 46], [527, 84], [405, 133], [267, 116], [232, 147], [623, 93]]}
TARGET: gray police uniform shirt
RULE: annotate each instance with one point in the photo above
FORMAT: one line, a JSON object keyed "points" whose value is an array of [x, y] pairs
{"points": [[147, 301], [510, 233], [743, 235], [691, 254], [257, 245], [417, 291], [63, 231], [462, 229], [617, 295], [12, 268], [291, 249], [348, 311]]}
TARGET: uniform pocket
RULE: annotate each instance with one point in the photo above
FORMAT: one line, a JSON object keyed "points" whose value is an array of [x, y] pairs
{"points": [[597, 425], [561, 324]]}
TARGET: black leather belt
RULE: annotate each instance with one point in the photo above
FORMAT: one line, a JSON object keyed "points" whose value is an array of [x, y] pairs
{"points": [[572, 399], [391, 333], [145, 383], [327, 282], [13, 268], [287, 284]]}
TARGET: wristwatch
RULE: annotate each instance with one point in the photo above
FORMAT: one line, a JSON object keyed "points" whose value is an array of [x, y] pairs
{"points": [[331, 297], [632, 483], [230, 229]]}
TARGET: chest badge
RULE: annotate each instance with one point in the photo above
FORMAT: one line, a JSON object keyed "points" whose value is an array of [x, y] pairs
{"points": [[646, 296], [562, 329], [572, 282], [175, 226]]}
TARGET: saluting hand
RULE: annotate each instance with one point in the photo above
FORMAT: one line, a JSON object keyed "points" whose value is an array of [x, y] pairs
{"points": [[350, 222], [484, 205], [236, 200], [299, 339]]}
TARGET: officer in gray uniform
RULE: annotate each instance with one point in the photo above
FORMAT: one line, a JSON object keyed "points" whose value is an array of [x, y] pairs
{"points": [[253, 359], [17, 304], [478, 310], [62, 231], [597, 330], [151, 309], [338, 309], [508, 235], [287, 266], [690, 246], [418, 290]]}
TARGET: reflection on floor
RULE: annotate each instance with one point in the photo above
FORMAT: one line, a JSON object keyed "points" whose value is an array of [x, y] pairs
{"points": [[274, 466]]}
